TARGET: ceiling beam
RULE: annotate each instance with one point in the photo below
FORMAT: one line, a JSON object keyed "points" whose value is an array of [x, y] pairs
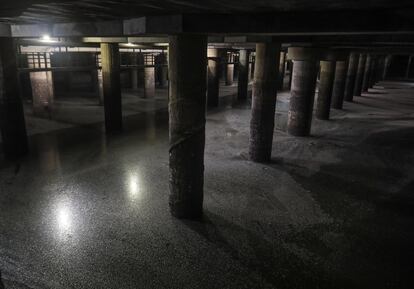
{"points": [[283, 23], [311, 26], [85, 29]]}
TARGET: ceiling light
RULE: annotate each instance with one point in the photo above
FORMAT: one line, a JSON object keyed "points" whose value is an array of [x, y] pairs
{"points": [[47, 39]]}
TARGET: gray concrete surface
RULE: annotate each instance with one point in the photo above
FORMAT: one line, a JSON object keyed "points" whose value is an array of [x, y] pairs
{"points": [[333, 210]]}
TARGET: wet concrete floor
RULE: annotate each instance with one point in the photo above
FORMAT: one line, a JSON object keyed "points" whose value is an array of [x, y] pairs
{"points": [[334, 210]]}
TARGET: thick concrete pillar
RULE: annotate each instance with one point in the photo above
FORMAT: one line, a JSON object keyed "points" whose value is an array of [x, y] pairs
{"points": [[12, 123], [163, 67], [230, 69], [213, 75], [149, 82], [187, 104], [381, 68], [95, 81], [367, 73], [323, 101], [42, 93], [149, 76], [290, 65], [264, 101], [111, 86], [223, 64], [249, 72], [305, 71], [282, 61], [351, 76], [387, 62], [252, 64], [360, 74], [134, 70], [338, 90], [134, 78], [236, 68], [100, 87], [373, 71], [376, 67], [243, 81], [407, 71]]}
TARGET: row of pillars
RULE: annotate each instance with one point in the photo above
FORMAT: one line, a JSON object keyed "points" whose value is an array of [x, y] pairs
{"points": [[188, 99], [342, 76], [215, 68], [148, 74], [245, 73], [142, 68]]}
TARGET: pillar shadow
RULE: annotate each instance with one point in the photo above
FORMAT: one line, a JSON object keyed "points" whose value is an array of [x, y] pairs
{"points": [[367, 105], [376, 92], [276, 265]]}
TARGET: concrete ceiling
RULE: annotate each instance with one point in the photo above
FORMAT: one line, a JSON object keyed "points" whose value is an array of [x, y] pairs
{"points": [[47, 11]]}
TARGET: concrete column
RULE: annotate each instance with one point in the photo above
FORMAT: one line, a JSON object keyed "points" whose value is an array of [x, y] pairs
{"points": [[282, 61], [305, 71], [134, 78], [163, 70], [230, 70], [223, 64], [149, 82], [373, 72], [111, 86], [236, 68], [134, 71], [243, 81], [187, 104], [213, 75], [149, 76], [42, 93], [367, 73], [290, 64], [360, 74], [100, 88], [339, 84], [12, 123], [249, 72], [95, 81], [141, 69], [252, 69], [351, 76], [264, 101], [387, 62], [407, 72], [252, 65], [323, 101], [379, 70]]}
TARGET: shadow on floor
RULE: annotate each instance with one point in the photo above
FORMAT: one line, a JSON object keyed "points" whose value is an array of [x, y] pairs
{"points": [[277, 265]]}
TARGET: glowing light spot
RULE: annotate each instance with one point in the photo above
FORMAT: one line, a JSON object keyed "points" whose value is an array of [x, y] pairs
{"points": [[47, 39], [134, 188], [64, 218]]}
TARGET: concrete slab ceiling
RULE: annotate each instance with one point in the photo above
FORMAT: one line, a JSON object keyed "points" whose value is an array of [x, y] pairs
{"points": [[35, 11]]}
